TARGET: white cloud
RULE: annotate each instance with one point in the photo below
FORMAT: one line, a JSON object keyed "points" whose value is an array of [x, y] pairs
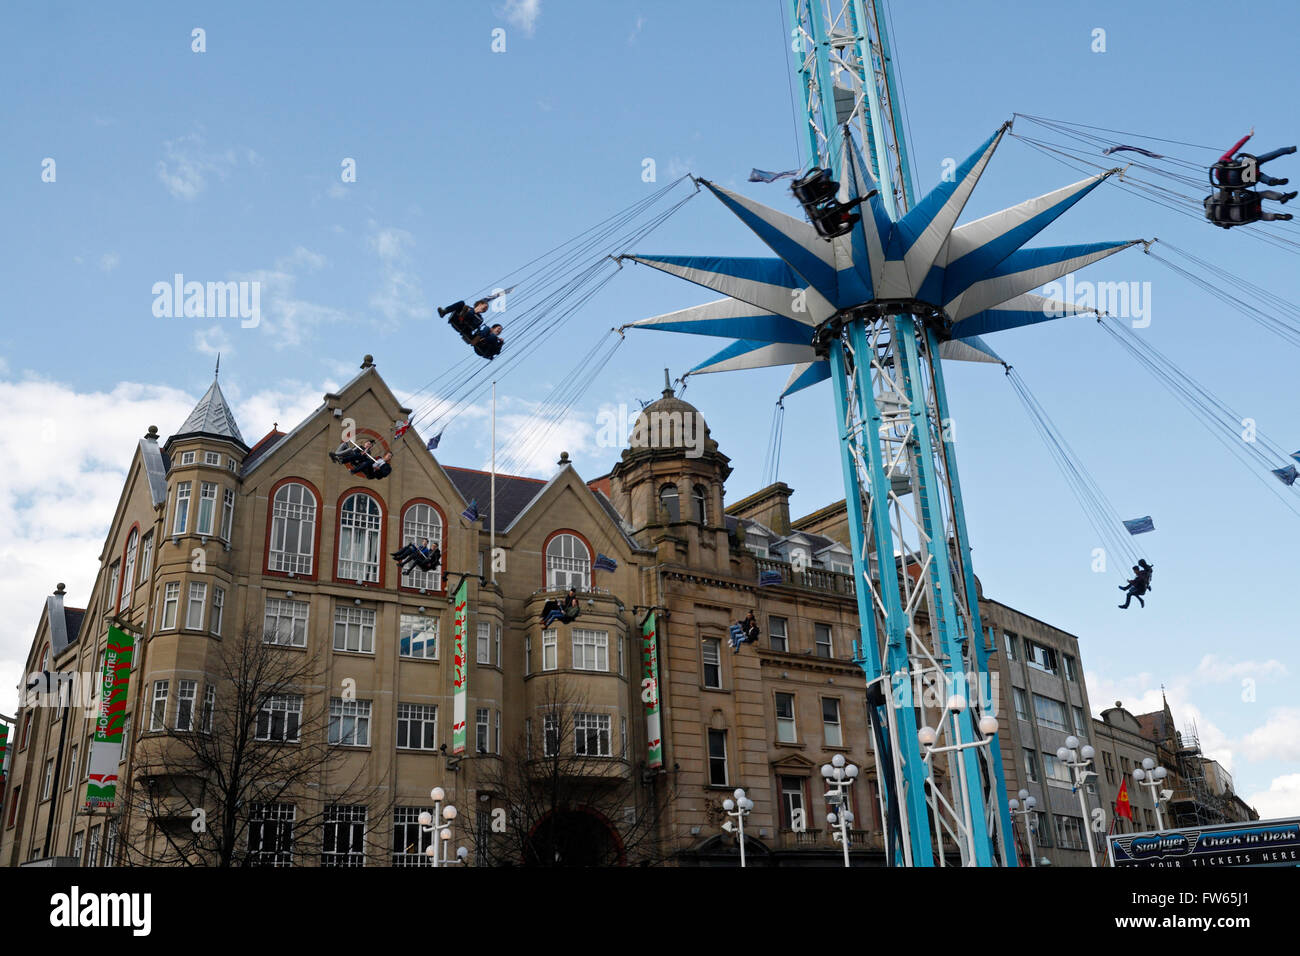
{"points": [[1278, 738], [213, 341], [636, 30], [399, 295], [1215, 669], [522, 13], [1143, 693], [108, 261], [188, 165], [286, 317], [1281, 799], [56, 517]]}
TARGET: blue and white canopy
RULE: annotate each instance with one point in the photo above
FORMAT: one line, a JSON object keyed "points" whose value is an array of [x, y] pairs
{"points": [[978, 275]]}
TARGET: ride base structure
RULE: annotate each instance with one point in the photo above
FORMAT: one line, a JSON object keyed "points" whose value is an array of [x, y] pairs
{"points": [[871, 294]]}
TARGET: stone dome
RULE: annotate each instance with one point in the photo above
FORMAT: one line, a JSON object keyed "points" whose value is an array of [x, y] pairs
{"points": [[671, 423]]}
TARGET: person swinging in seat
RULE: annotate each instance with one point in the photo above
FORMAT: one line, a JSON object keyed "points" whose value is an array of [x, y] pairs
{"points": [[566, 610], [1236, 201], [746, 632], [417, 556], [360, 461], [1138, 585], [468, 323]]}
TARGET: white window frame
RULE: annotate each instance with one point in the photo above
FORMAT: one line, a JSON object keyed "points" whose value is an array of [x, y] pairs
{"points": [[211, 458], [280, 817], [187, 458], [207, 514], [711, 656], [590, 650], [568, 563], [181, 510], [128, 569], [287, 705], [1020, 701], [408, 834], [783, 636], [420, 521], [837, 725], [483, 643], [146, 556], [114, 580], [297, 516], [418, 630], [482, 730], [360, 530], [157, 714], [227, 514], [587, 727], [218, 610], [198, 596], [72, 768], [818, 629], [551, 643], [209, 706], [1047, 713], [362, 619], [550, 735], [187, 692], [787, 727], [420, 722], [714, 759], [47, 786], [528, 654], [290, 610], [349, 715]]}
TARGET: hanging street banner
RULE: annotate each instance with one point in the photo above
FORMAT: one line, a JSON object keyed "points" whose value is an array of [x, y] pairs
{"points": [[106, 744], [460, 685], [1256, 843], [650, 693]]}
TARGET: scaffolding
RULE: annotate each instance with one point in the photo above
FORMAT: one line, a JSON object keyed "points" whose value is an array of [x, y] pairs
{"points": [[1194, 803]]}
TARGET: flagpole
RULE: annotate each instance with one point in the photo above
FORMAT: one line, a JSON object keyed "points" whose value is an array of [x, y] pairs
{"points": [[492, 517]]}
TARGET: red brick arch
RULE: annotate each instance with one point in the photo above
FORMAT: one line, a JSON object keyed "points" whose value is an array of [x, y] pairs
{"points": [[591, 553]]}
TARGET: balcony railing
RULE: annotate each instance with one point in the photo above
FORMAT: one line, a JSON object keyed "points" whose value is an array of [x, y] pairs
{"points": [[816, 579]]}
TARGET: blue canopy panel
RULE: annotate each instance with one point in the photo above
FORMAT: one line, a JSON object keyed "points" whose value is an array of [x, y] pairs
{"points": [[805, 375], [1027, 309], [917, 238], [792, 239], [1028, 269], [768, 284], [732, 319], [870, 235], [1139, 525], [748, 354], [976, 248], [973, 349]]}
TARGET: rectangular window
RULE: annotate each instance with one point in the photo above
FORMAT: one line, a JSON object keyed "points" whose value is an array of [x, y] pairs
{"points": [[481, 730], [500, 663], [126, 740], [831, 722], [14, 800], [27, 729], [286, 622], [622, 736], [1069, 832], [777, 631], [410, 841], [1031, 765], [418, 637], [484, 643], [207, 506], [619, 642], [785, 728], [194, 609], [822, 634], [146, 558], [187, 458], [186, 692], [270, 834], [182, 509], [354, 629], [1022, 703], [345, 837], [47, 787], [211, 458], [218, 608], [230, 464], [78, 846], [590, 650], [711, 650], [72, 768], [171, 598], [1055, 771], [227, 514], [1071, 668], [550, 650], [1040, 657], [717, 758], [280, 718], [550, 735], [496, 745], [528, 654], [1050, 713], [1080, 721], [528, 738], [793, 814], [114, 578], [349, 722], [158, 715], [209, 705], [591, 735], [92, 850], [1013, 646]]}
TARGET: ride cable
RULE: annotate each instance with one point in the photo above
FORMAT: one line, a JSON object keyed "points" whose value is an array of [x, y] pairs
{"points": [[772, 463]]}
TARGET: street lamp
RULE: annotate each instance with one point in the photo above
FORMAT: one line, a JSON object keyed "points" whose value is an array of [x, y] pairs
{"points": [[738, 808], [1150, 775], [927, 736], [839, 776], [1077, 759], [1028, 813], [441, 832]]}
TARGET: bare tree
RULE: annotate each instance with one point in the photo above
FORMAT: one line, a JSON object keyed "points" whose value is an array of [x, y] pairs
{"points": [[237, 781], [562, 799]]}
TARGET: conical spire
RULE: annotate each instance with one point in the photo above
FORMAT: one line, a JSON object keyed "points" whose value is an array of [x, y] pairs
{"points": [[212, 416]]}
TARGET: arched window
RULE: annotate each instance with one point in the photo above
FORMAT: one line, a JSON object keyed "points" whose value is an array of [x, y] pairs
{"points": [[128, 572], [700, 499], [293, 529], [419, 522], [568, 563], [668, 499], [360, 519]]}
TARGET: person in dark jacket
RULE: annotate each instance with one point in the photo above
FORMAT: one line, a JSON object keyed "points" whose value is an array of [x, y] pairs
{"points": [[423, 556]]}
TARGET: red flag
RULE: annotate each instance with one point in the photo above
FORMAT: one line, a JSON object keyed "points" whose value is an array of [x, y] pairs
{"points": [[1122, 807], [400, 430]]}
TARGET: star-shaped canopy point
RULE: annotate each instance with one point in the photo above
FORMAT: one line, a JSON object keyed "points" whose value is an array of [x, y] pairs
{"points": [[978, 277]]}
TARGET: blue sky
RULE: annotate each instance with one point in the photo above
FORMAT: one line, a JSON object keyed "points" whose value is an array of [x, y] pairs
{"points": [[226, 165]]}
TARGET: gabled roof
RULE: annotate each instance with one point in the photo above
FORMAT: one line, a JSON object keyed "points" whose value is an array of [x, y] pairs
{"points": [[614, 516], [155, 469], [514, 492], [211, 416], [267, 442]]}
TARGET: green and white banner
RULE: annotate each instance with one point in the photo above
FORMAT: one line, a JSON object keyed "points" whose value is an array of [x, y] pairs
{"points": [[460, 625], [106, 745], [650, 693]]}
